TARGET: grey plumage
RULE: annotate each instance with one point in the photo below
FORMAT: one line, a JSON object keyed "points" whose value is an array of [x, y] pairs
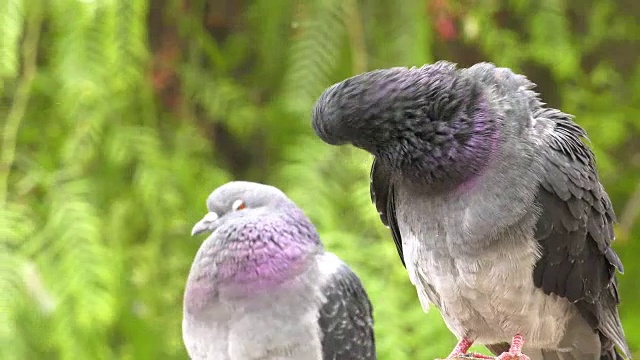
{"points": [[493, 201], [263, 287]]}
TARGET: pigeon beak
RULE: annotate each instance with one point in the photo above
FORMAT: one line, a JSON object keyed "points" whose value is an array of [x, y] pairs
{"points": [[204, 224]]}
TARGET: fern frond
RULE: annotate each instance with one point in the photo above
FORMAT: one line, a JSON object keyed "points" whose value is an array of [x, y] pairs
{"points": [[223, 99], [550, 35], [12, 18], [17, 226], [314, 52], [271, 23], [74, 249], [12, 346]]}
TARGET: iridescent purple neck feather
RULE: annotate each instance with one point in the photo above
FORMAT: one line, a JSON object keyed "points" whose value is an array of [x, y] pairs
{"points": [[266, 253], [259, 252]]}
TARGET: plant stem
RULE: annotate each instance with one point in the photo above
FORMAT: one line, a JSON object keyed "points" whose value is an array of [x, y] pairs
{"points": [[356, 36], [21, 99], [630, 214]]}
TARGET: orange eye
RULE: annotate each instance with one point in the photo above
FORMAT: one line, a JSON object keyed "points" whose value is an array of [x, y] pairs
{"points": [[238, 205]]}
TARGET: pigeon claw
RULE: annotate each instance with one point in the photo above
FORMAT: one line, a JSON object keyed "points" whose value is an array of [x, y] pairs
{"points": [[461, 348], [477, 356], [512, 356], [460, 351], [470, 356], [515, 351]]}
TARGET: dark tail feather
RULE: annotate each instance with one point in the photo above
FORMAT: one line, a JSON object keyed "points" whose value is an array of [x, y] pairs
{"points": [[611, 354], [609, 350]]}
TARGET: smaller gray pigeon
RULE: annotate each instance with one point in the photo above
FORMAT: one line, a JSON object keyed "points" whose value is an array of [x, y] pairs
{"points": [[262, 285]]}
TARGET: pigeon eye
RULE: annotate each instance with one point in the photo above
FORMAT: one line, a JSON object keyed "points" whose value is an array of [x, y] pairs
{"points": [[238, 205]]}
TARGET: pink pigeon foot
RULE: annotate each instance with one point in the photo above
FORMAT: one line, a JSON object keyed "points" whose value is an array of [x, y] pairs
{"points": [[515, 351], [461, 350]]}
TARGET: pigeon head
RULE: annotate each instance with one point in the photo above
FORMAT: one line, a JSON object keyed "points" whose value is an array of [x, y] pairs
{"points": [[259, 237], [432, 122], [239, 199]]}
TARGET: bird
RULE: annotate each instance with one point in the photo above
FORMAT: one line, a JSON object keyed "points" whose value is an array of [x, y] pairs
{"points": [[494, 203], [262, 285]]}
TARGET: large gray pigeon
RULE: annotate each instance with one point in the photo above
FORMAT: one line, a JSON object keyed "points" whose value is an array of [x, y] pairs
{"points": [[494, 205], [263, 287]]}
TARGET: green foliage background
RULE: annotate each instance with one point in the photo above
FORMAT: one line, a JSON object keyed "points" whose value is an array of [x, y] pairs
{"points": [[120, 116]]}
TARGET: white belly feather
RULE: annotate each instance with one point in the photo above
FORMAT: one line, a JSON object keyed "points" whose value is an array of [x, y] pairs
{"points": [[489, 297], [246, 334]]}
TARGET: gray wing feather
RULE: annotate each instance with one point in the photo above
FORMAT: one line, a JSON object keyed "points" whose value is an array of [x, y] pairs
{"points": [[575, 230], [346, 318]]}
